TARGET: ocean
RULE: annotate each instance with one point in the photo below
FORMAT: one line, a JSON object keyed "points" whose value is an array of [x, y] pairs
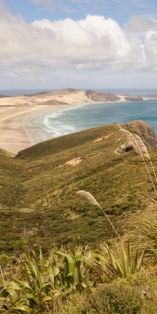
{"points": [[87, 116], [54, 124]]}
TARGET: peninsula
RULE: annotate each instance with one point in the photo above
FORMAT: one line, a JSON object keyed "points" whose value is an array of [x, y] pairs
{"points": [[16, 113]]}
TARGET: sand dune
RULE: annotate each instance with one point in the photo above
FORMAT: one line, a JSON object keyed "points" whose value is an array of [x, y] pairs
{"points": [[16, 129]]}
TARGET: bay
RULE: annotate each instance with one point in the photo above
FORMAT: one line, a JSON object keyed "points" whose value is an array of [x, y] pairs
{"points": [[87, 116]]}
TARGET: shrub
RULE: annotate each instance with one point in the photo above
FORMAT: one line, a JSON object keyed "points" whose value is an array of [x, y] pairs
{"points": [[114, 298]]}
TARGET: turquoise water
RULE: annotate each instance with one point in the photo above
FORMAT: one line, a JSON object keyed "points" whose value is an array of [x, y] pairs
{"points": [[87, 116], [82, 117]]}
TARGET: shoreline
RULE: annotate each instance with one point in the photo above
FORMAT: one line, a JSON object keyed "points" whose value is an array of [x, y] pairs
{"points": [[16, 114], [18, 131], [31, 130]]}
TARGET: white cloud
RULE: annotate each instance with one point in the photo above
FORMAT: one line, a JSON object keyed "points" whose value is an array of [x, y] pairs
{"points": [[141, 24], [61, 43], [94, 43], [143, 30], [91, 40], [3, 6]]}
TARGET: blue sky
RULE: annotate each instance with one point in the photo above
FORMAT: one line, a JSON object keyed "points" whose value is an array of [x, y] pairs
{"points": [[78, 43], [120, 10]]}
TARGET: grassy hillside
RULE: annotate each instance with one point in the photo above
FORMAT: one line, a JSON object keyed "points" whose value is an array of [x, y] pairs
{"points": [[38, 200]]}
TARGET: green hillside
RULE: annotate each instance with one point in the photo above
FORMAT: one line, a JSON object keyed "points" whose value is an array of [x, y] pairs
{"points": [[38, 200]]}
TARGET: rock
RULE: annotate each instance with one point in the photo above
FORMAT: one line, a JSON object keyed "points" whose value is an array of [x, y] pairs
{"points": [[133, 98], [97, 96], [154, 96], [144, 131], [125, 148]]}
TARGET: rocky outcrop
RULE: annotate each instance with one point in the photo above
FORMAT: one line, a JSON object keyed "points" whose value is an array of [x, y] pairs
{"points": [[154, 96], [144, 131], [98, 96], [133, 98]]}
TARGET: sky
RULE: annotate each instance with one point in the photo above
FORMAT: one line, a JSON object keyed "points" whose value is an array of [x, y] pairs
{"points": [[82, 44]]}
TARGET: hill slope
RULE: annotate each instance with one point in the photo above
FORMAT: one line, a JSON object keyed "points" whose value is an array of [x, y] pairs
{"points": [[39, 204]]}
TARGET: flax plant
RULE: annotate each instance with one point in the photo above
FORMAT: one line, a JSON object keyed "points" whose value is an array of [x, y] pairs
{"points": [[125, 264], [79, 269], [42, 282]]}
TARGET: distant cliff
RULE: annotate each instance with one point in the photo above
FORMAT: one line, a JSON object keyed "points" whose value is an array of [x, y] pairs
{"points": [[145, 131], [98, 96]]}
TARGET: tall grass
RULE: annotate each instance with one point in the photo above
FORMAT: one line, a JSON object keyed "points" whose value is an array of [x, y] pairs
{"points": [[142, 150], [145, 227], [143, 231], [125, 264], [93, 201]]}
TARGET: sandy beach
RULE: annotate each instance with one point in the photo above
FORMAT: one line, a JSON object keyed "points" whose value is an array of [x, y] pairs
{"points": [[16, 129]]}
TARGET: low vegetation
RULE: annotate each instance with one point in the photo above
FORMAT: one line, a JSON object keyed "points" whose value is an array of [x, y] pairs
{"points": [[65, 250], [39, 204], [44, 284]]}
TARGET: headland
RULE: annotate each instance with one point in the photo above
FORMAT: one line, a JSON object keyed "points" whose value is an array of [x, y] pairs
{"points": [[16, 113]]}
